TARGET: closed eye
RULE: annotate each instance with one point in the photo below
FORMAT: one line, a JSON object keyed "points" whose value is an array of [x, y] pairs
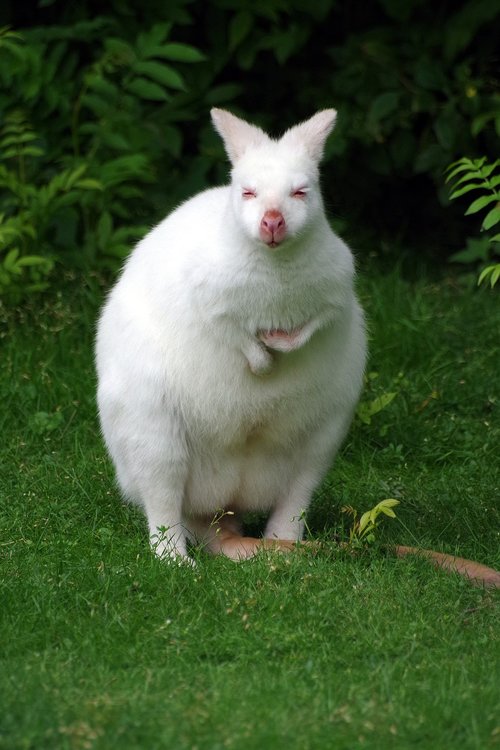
{"points": [[249, 193], [299, 192]]}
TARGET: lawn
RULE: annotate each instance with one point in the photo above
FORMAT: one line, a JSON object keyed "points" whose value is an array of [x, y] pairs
{"points": [[103, 646]]}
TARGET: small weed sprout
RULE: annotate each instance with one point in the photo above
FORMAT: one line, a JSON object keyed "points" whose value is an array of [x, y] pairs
{"points": [[363, 530], [163, 535], [302, 517], [377, 400], [218, 516]]}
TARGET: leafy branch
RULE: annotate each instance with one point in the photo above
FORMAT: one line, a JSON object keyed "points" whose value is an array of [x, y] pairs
{"points": [[74, 192], [480, 175]]}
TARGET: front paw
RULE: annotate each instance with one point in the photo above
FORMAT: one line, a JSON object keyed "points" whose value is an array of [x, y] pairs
{"points": [[259, 360]]}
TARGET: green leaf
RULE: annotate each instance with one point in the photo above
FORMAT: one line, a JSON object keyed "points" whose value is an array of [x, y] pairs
{"points": [[480, 203], [17, 139], [116, 140], [161, 73], [239, 28], [388, 512], [7, 33], [366, 410], [160, 31], [172, 137], [484, 274], [381, 402], [480, 122], [145, 89], [14, 48], [104, 229], [68, 199], [123, 168], [224, 93], [36, 260], [89, 184], [127, 234], [477, 248], [467, 189], [492, 271], [33, 151], [117, 250], [495, 275], [148, 40], [177, 52], [43, 422], [102, 86], [363, 413], [467, 178], [492, 218], [464, 25], [285, 42], [119, 48], [364, 521], [15, 151], [460, 162], [429, 158], [74, 175], [463, 165], [10, 260], [390, 502], [487, 169], [97, 104], [383, 106], [446, 129], [401, 12], [430, 75]]}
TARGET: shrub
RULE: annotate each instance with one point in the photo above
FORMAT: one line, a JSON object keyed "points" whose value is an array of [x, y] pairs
{"points": [[76, 146], [113, 129], [479, 175]]}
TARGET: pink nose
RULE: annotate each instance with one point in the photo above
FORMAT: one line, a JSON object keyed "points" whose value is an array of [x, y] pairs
{"points": [[272, 228]]}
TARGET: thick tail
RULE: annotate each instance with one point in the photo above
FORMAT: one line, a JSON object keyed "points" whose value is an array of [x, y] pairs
{"points": [[477, 573]]}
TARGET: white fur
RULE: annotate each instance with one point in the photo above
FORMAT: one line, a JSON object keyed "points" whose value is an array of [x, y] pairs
{"points": [[229, 370]]}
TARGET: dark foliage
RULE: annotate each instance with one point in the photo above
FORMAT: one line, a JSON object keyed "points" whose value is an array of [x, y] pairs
{"points": [[105, 122]]}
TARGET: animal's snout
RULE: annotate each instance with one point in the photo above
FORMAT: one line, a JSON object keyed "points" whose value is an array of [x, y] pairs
{"points": [[272, 228]]}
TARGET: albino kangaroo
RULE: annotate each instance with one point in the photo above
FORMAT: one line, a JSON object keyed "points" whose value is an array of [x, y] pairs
{"points": [[230, 354]]}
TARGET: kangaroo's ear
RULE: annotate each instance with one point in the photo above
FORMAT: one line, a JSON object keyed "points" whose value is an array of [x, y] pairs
{"points": [[237, 134], [311, 135]]}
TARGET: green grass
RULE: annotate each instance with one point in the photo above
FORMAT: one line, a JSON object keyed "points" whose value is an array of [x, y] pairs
{"points": [[104, 646]]}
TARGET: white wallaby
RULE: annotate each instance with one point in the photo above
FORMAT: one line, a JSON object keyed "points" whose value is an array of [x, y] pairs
{"points": [[230, 354]]}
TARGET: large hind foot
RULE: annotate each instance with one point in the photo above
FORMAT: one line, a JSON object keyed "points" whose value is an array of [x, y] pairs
{"points": [[222, 535], [240, 548]]}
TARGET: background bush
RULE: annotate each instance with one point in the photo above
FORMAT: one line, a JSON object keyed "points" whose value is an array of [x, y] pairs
{"points": [[105, 126]]}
